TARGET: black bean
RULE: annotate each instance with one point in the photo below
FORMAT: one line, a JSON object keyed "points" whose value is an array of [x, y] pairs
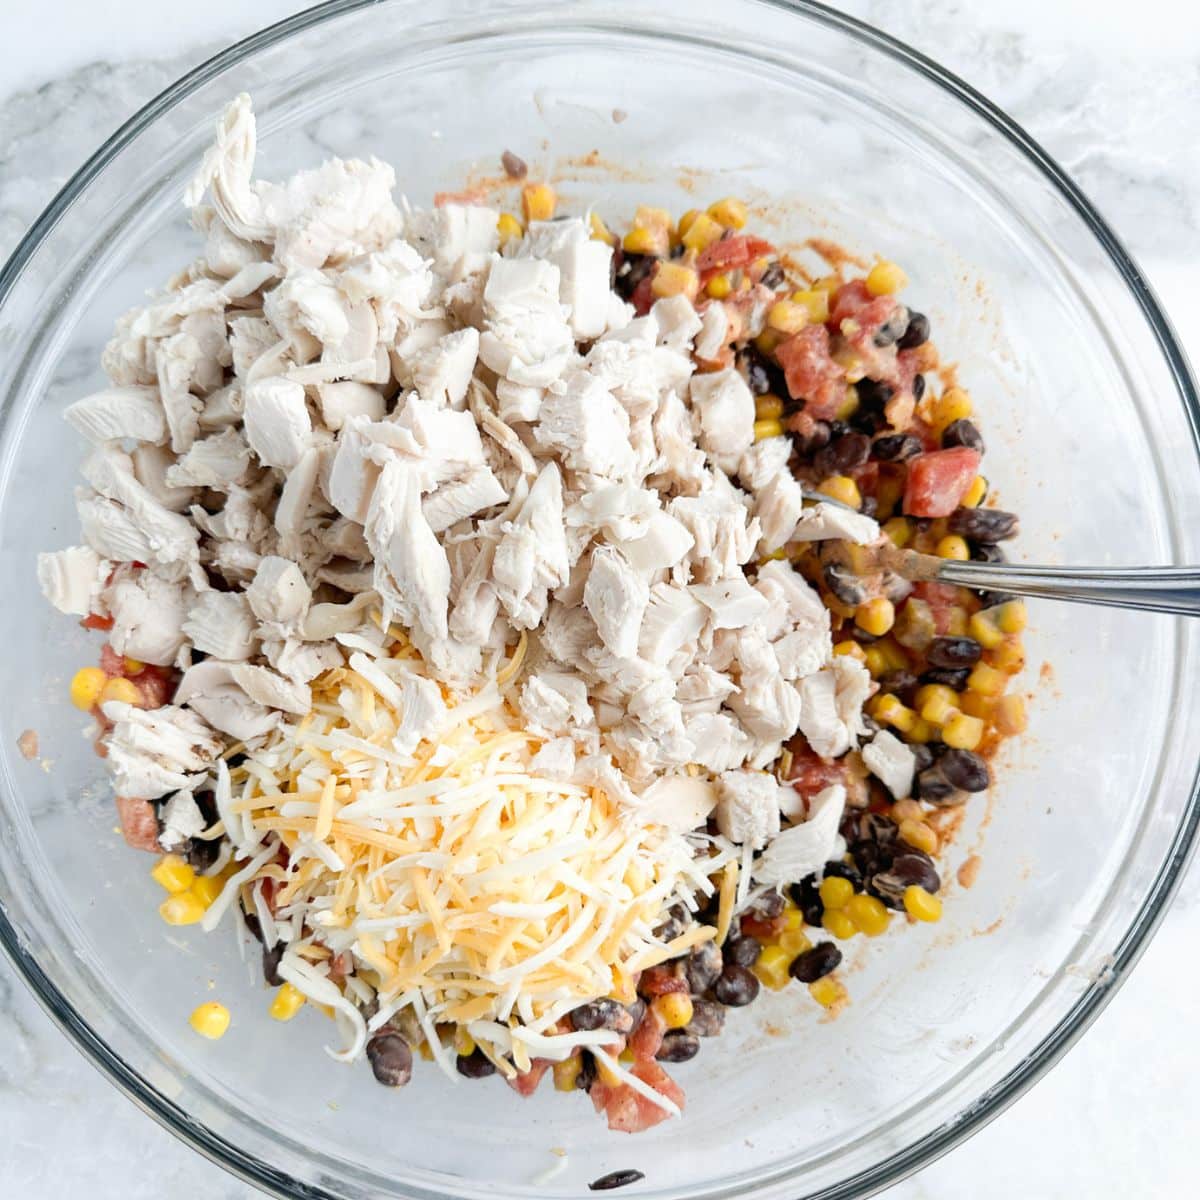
{"points": [[990, 554], [708, 1018], [391, 1059], [631, 271], [952, 677], [918, 386], [808, 444], [896, 447], [736, 987], [954, 652], [614, 1179], [838, 428], [844, 584], [514, 167], [962, 433], [742, 950], [270, 965], [870, 857], [873, 393], [475, 1065], [757, 378], [772, 277], [602, 1014], [767, 907], [201, 854], [922, 754], [893, 328], [253, 925], [816, 963], [862, 637], [931, 784], [677, 920], [587, 1073], [843, 454], [636, 1011], [900, 683], [878, 828], [807, 898], [909, 869], [678, 1046], [917, 333], [841, 870], [986, 525], [965, 769], [703, 966]]}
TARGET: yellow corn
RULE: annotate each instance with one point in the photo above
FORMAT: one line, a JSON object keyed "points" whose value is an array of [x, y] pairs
{"points": [[952, 405], [953, 546], [922, 731], [828, 992], [600, 231], [852, 648], [210, 1020], [1009, 717], [838, 924], [133, 666], [920, 835], [767, 407], [938, 709], [509, 228], [173, 874], [425, 1050], [929, 691], [567, 1072], [700, 233], [835, 892], [794, 942], [720, 286], [876, 661], [675, 279], [885, 279], [975, 493], [538, 202], [687, 221], [849, 404], [828, 283], [987, 681], [675, 1008], [86, 686], [767, 341], [606, 1074], [976, 705], [843, 488], [1011, 616], [870, 916], [207, 888], [730, 212], [183, 909], [122, 690], [817, 304], [963, 732], [767, 427], [1009, 656], [984, 630], [875, 616], [787, 317], [922, 905], [888, 710], [772, 968], [286, 1003], [793, 918], [899, 531], [907, 810], [650, 216], [645, 241], [897, 660], [464, 1043], [958, 621]]}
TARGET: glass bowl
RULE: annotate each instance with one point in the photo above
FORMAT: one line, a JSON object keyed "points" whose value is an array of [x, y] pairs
{"points": [[830, 128]]}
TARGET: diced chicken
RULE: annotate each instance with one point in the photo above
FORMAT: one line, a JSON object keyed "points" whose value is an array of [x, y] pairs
{"points": [[271, 690], [673, 618], [353, 475], [765, 703], [518, 401], [148, 615], [714, 333], [588, 428], [71, 579], [680, 461], [441, 373], [748, 807], [567, 633], [616, 596], [802, 849], [278, 427], [583, 266], [452, 233], [209, 689], [663, 543], [681, 803], [150, 466], [526, 336], [217, 461], [302, 661], [477, 490], [531, 557], [555, 703], [349, 398], [279, 594], [221, 624], [724, 536], [117, 413], [307, 307], [732, 603], [777, 508], [720, 742], [823, 521], [181, 821], [831, 706], [724, 405], [678, 321], [555, 759], [422, 710], [702, 689], [155, 751], [892, 762], [764, 461], [622, 511], [296, 497]]}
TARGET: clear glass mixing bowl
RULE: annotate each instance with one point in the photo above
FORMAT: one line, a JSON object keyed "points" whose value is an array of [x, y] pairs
{"points": [[1092, 419]]}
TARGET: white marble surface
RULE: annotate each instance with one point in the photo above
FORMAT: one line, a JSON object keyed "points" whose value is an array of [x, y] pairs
{"points": [[1113, 91]]}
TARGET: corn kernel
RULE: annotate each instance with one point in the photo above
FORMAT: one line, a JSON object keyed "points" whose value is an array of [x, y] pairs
{"points": [[974, 495], [731, 212], [984, 630], [767, 341], [425, 1050], [927, 692], [627, 1057], [963, 732], [922, 731], [787, 317], [687, 220], [207, 888], [767, 427], [133, 666], [920, 835], [173, 874], [828, 284], [567, 1072], [835, 892], [828, 992], [210, 1020], [464, 1043], [675, 279], [938, 710], [953, 546], [675, 1008], [538, 202], [86, 686], [182, 909], [793, 918], [772, 968], [852, 648], [720, 286], [600, 231], [897, 660], [817, 304], [122, 690], [976, 705], [768, 407], [869, 915], [907, 810], [876, 616], [841, 488], [1010, 617], [1009, 656], [606, 1074], [987, 681], [952, 405], [700, 233], [899, 531], [794, 942], [875, 660], [509, 228], [922, 905], [887, 710], [645, 241], [885, 279], [958, 621], [286, 1003], [1009, 717], [838, 924]]}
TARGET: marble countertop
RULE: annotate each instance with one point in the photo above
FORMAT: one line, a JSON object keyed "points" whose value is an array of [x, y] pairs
{"points": [[1113, 91]]}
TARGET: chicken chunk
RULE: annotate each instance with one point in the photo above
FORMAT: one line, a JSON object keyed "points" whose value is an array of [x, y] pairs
{"points": [[616, 596], [748, 807], [724, 405], [152, 752], [892, 762]]}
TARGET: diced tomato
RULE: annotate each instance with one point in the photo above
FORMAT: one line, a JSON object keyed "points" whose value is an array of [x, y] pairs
{"points": [[809, 773], [111, 663], [631, 1112], [139, 823], [811, 374], [647, 1038], [942, 599], [659, 981], [643, 297], [762, 928], [156, 685], [95, 621], [938, 481], [732, 253], [527, 1082], [847, 301]]}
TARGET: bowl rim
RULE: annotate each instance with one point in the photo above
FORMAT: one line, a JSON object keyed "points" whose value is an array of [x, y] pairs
{"points": [[1090, 1003]]}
